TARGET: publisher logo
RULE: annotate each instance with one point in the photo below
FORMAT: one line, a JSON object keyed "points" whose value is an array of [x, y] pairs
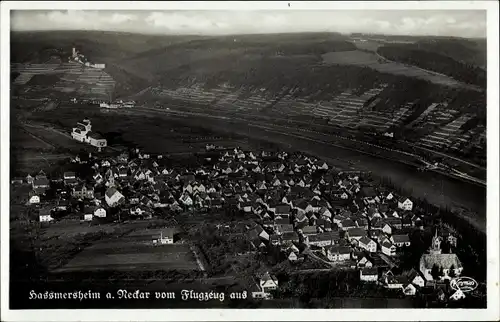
{"points": [[465, 284]]}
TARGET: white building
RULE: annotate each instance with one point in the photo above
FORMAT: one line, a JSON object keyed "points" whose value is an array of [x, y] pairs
{"points": [[96, 140], [34, 200], [368, 274], [436, 258], [113, 197], [405, 204], [166, 236], [100, 212], [266, 284], [83, 133], [388, 248], [46, 217], [458, 295], [367, 244]]}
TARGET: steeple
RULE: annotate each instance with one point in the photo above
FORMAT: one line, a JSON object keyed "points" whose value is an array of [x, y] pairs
{"points": [[436, 244]]}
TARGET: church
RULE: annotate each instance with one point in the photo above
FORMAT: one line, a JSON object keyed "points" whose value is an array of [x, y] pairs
{"points": [[436, 257]]}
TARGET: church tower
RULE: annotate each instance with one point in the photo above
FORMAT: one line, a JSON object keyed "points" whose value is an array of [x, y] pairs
{"points": [[436, 244]]}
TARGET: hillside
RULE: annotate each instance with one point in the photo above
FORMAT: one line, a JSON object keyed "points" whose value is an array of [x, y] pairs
{"points": [[414, 55], [321, 76]]}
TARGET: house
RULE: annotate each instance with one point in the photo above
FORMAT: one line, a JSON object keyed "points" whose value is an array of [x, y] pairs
{"points": [[347, 224], [274, 240], [41, 183], [98, 178], [113, 197], [367, 244], [388, 248], [400, 240], [186, 200], [282, 210], [405, 204], [122, 172], [447, 235], [336, 253], [414, 277], [324, 212], [88, 214], [69, 175], [44, 215], [260, 232], [290, 237], [100, 212], [17, 180], [265, 285], [283, 228], [309, 230], [386, 228], [292, 255], [245, 206], [71, 182], [82, 191], [34, 199], [395, 282], [409, 289], [364, 262], [324, 239], [141, 211], [164, 236], [458, 295], [394, 222], [368, 274], [355, 233]]}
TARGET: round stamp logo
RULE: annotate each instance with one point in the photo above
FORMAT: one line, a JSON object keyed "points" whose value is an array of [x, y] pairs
{"points": [[465, 284]]}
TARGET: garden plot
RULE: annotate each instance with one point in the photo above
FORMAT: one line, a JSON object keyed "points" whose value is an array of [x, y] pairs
{"points": [[128, 254]]}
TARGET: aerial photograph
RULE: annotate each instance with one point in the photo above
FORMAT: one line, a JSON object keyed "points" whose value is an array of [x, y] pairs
{"points": [[328, 159]]}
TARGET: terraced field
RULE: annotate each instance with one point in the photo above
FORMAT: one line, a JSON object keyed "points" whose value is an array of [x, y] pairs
{"points": [[67, 78]]}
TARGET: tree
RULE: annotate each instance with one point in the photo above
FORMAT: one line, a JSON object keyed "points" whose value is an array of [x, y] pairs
{"points": [[435, 272], [441, 272], [452, 271]]}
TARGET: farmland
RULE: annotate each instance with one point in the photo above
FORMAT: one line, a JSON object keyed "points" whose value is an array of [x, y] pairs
{"points": [[131, 255], [122, 129]]}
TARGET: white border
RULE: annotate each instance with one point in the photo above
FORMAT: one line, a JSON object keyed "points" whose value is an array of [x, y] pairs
{"points": [[491, 313]]}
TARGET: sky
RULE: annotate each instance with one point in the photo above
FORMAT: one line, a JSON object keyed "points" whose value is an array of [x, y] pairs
{"points": [[457, 23]]}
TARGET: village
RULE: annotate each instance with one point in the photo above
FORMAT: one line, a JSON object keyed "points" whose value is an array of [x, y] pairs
{"points": [[290, 202]]}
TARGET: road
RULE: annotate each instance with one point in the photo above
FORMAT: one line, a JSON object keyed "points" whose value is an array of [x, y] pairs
{"points": [[273, 127], [453, 158]]}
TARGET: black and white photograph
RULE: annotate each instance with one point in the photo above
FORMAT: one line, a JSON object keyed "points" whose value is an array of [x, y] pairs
{"points": [[281, 158]]}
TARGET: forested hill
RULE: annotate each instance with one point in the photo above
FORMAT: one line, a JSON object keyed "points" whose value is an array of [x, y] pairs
{"points": [[412, 54]]}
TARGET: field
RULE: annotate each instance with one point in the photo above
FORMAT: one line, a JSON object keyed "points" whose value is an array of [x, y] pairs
{"points": [[374, 61], [132, 252], [21, 138], [122, 128]]}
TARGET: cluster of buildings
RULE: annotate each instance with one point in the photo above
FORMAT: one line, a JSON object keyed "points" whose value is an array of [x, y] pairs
{"points": [[83, 132], [81, 59], [118, 104], [294, 201]]}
